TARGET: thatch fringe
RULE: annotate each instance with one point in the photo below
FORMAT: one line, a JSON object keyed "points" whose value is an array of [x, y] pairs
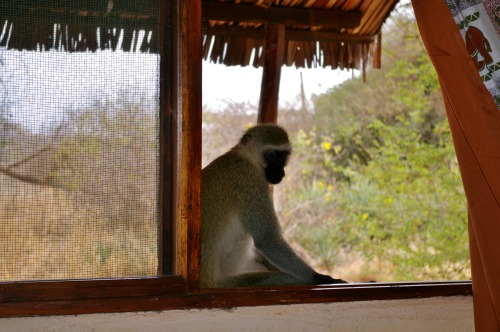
{"points": [[77, 26], [43, 35], [348, 54]]}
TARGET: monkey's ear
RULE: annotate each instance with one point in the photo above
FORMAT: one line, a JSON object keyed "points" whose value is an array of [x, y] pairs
{"points": [[246, 138]]}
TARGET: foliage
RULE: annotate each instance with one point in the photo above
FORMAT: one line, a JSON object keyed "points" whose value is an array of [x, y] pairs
{"points": [[404, 207], [373, 190], [87, 189], [380, 174]]}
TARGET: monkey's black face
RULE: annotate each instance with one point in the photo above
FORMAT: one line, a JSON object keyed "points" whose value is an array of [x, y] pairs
{"points": [[275, 163]]}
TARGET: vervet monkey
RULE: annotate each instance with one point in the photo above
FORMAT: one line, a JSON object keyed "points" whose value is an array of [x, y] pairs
{"points": [[238, 218]]}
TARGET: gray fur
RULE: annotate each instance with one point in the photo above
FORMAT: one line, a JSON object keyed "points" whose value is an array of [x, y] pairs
{"points": [[238, 217]]}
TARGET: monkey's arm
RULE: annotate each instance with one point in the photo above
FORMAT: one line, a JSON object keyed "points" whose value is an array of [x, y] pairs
{"points": [[275, 249], [264, 227], [280, 254]]}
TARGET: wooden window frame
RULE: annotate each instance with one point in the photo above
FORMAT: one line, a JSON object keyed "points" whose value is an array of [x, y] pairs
{"points": [[176, 287]]}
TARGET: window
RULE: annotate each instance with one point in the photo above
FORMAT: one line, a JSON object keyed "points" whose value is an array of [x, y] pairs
{"points": [[372, 190], [86, 123], [179, 171]]}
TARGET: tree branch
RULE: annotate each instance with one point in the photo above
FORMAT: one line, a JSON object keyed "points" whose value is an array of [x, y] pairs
{"points": [[30, 179]]}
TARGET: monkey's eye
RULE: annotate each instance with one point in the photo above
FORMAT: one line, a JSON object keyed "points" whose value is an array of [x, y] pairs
{"points": [[276, 156], [270, 155]]}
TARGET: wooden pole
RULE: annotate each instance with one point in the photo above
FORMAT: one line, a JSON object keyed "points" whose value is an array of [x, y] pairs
{"points": [[274, 46]]}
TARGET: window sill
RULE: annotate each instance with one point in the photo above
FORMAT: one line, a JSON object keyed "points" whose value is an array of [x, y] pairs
{"points": [[166, 293]]}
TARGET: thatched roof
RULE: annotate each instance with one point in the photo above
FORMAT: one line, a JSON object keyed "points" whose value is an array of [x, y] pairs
{"points": [[319, 33], [335, 33]]}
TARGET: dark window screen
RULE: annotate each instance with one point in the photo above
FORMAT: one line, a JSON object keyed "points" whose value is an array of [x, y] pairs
{"points": [[79, 101]]}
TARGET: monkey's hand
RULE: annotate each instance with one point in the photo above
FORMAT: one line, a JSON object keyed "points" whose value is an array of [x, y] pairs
{"points": [[322, 279]]}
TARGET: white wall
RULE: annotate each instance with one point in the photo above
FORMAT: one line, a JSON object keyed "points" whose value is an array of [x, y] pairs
{"points": [[439, 314]]}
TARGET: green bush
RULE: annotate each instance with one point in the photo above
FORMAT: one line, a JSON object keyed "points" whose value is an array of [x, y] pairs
{"points": [[404, 209], [379, 180]]}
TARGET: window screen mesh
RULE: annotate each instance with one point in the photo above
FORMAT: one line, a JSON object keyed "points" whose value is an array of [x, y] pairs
{"points": [[79, 101]]}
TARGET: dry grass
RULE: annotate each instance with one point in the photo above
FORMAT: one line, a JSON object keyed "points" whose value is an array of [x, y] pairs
{"points": [[48, 233], [51, 234]]}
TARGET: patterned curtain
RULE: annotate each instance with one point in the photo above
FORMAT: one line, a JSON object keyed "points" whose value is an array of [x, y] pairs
{"points": [[462, 39], [479, 24]]}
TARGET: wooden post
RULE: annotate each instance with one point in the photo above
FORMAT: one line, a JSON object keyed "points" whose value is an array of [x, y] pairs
{"points": [[185, 104], [190, 165], [274, 46]]}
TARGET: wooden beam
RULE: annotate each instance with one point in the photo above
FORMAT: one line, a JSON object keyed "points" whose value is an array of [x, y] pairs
{"points": [[274, 46], [290, 34], [219, 11], [326, 36]]}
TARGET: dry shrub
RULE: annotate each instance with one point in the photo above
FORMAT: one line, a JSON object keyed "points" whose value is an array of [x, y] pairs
{"points": [[48, 234]]}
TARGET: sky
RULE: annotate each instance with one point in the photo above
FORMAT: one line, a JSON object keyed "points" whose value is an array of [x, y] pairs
{"points": [[42, 87], [242, 84]]}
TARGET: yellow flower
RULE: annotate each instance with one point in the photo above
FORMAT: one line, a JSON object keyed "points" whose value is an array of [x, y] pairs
{"points": [[329, 188], [321, 185], [327, 146], [364, 216]]}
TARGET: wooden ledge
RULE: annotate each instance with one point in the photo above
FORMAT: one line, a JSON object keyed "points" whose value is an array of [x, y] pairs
{"points": [[167, 293]]}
